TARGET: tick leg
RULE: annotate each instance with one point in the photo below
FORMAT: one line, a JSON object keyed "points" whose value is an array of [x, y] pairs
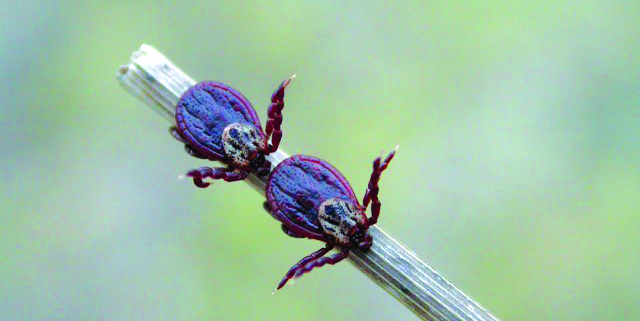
{"points": [[265, 169], [267, 208], [173, 130], [294, 269], [274, 114], [226, 174], [289, 232], [333, 259], [193, 152], [371, 195]]}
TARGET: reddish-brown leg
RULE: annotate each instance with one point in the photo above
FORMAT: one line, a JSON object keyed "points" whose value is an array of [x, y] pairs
{"points": [[274, 114], [333, 259], [226, 174], [267, 208], [265, 169], [193, 152], [173, 130], [301, 264], [371, 195], [289, 232], [285, 229]]}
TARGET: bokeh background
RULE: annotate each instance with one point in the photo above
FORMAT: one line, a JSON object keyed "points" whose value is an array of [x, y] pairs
{"points": [[517, 177]]}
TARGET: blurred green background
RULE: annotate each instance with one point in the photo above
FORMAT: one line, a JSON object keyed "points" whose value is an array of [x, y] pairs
{"points": [[517, 178]]}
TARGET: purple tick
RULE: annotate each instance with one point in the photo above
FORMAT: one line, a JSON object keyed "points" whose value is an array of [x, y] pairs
{"points": [[312, 199], [218, 123]]}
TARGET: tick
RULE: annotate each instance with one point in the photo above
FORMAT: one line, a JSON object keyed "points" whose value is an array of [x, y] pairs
{"points": [[313, 200], [218, 123]]}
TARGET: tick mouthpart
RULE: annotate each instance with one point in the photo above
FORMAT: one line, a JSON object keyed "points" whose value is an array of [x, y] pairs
{"points": [[366, 242], [361, 238], [253, 154]]}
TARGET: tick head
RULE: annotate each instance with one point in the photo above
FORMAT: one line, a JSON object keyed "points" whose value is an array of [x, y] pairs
{"points": [[244, 144], [346, 222]]}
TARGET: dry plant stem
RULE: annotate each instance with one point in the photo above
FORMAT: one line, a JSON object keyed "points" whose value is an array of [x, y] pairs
{"points": [[154, 79]]}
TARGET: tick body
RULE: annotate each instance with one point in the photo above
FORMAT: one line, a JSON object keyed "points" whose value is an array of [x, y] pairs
{"points": [[313, 200], [218, 123]]}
